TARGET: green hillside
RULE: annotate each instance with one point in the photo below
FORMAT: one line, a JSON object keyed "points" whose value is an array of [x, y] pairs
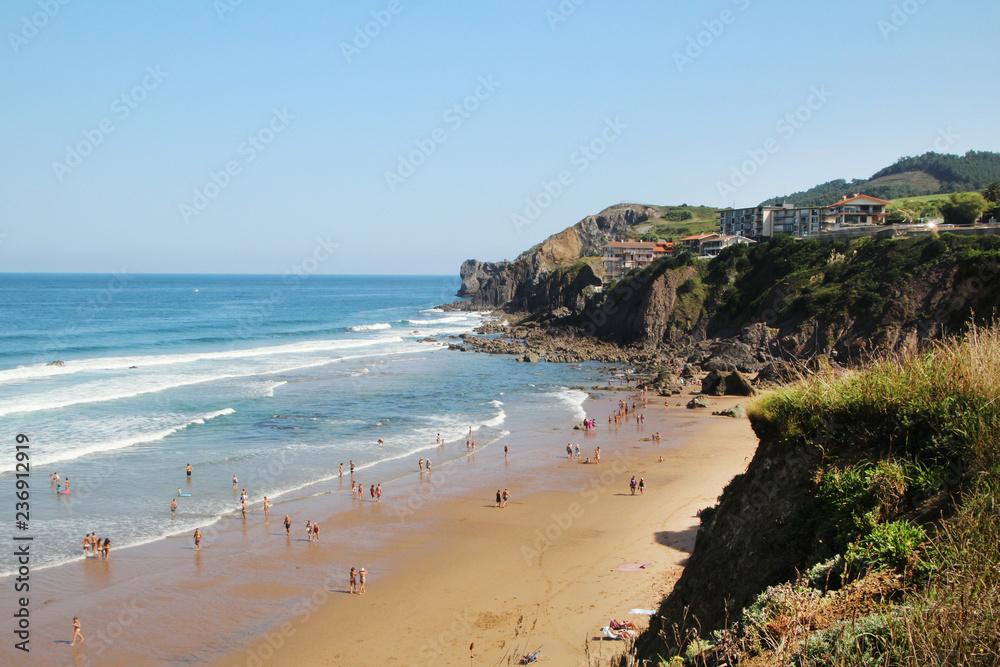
{"points": [[676, 222], [927, 174]]}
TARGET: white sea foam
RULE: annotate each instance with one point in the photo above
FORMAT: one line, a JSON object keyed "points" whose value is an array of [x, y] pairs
{"points": [[120, 388], [370, 327], [79, 450], [450, 319], [142, 362], [574, 399]]}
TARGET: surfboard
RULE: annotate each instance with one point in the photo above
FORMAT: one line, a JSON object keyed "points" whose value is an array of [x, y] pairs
{"points": [[64, 492], [185, 495]]}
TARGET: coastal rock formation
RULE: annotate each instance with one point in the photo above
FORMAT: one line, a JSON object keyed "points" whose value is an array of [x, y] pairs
{"points": [[718, 383], [555, 273]]}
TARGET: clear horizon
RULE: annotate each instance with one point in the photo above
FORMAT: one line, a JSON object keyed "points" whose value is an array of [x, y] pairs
{"points": [[226, 137]]}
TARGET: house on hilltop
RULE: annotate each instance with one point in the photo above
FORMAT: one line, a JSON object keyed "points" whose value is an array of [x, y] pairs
{"points": [[762, 222]]}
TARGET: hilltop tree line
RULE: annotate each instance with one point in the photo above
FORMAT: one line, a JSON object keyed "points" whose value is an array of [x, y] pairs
{"points": [[972, 171]]}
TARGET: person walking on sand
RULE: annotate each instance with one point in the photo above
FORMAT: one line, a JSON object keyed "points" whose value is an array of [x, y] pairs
{"points": [[569, 452], [362, 573], [288, 525], [76, 631], [309, 530], [197, 539], [372, 493], [354, 581], [632, 484], [642, 486], [378, 493], [173, 506], [267, 507], [504, 498], [420, 464], [498, 498]]}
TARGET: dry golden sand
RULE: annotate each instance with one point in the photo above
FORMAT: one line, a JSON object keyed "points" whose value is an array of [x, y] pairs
{"points": [[537, 574]]}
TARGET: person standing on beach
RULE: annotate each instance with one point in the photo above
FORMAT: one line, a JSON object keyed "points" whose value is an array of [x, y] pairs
{"points": [[189, 470], [107, 547], [498, 498], [597, 455], [341, 469], [505, 449], [197, 539], [427, 465], [173, 506], [420, 464], [632, 484], [378, 493], [267, 507], [58, 489], [372, 493], [361, 578], [316, 531], [576, 451], [288, 525], [438, 442], [86, 545], [352, 466], [354, 581], [243, 508], [309, 530], [569, 452], [76, 631], [504, 498]]}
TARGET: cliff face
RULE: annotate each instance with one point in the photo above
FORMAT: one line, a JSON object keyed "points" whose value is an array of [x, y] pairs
{"points": [[854, 302], [532, 282]]}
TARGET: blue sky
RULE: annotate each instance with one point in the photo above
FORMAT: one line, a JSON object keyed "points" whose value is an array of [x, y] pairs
{"points": [[246, 137]]}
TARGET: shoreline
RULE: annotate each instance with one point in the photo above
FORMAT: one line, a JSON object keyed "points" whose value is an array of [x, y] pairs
{"points": [[153, 605]]}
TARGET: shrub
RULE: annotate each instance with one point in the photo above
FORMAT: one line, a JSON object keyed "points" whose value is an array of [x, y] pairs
{"points": [[888, 546]]}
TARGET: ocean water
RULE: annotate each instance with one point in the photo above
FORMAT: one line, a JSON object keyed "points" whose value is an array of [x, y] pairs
{"points": [[273, 379]]}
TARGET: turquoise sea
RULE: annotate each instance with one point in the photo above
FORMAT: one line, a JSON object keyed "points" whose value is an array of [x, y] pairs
{"points": [[120, 381]]}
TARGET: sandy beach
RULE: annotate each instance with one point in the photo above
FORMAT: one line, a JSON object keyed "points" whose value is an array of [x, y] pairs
{"points": [[446, 569]]}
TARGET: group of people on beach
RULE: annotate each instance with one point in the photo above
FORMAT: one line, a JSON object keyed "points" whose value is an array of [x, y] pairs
{"points": [[375, 492], [621, 415], [358, 580], [60, 488], [94, 547], [637, 484], [502, 498]]}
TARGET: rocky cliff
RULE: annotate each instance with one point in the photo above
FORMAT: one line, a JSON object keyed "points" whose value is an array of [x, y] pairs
{"points": [[851, 302], [549, 276]]}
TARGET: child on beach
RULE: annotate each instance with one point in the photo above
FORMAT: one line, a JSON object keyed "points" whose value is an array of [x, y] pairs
{"points": [[197, 539], [76, 631]]}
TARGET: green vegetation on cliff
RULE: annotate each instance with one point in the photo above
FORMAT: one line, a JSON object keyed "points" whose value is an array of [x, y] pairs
{"points": [[893, 531], [854, 298]]}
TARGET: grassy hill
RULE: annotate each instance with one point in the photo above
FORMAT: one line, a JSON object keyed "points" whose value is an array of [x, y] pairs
{"points": [[927, 174], [676, 222]]}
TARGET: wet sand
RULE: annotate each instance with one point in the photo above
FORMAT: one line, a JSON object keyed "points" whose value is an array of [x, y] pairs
{"points": [[446, 568]]}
